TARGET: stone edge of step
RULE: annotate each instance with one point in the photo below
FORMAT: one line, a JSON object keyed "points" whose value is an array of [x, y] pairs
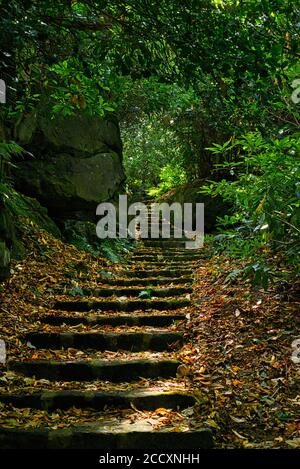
{"points": [[86, 438]]}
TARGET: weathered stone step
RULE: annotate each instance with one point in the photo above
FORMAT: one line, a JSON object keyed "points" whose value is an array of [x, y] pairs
{"points": [[164, 243], [133, 341], [167, 232], [168, 240], [130, 305], [155, 273], [141, 249], [167, 257], [120, 320], [123, 437], [160, 257], [82, 370], [148, 219], [169, 253], [156, 264], [143, 400], [157, 292], [149, 281]]}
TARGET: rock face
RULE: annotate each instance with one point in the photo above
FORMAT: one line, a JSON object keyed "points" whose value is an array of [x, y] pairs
{"points": [[69, 186], [80, 134], [77, 163]]}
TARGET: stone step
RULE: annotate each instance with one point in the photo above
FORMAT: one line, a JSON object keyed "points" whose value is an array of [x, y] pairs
{"points": [[168, 240], [130, 305], [153, 219], [125, 437], [167, 257], [164, 243], [143, 400], [133, 341], [157, 232], [117, 320], [154, 231], [157, 292], [149, 281], [171, 252], [83, 370], [158, 264], [163, 273], [147, 219]]}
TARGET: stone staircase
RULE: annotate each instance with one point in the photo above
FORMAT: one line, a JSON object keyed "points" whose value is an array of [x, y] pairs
{"points": [[142, 302]]}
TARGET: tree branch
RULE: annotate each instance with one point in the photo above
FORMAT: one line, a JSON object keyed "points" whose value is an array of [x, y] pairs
{"points": [[81, 24]]}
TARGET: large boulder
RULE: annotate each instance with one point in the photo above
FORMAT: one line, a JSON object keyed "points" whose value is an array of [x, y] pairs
{"points": [[71, 187], [76, 163], [81, 134]]}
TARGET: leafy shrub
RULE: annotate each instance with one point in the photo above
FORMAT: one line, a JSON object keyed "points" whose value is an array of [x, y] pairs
{"points": [[265, 193], [152, 154], [171, 175], [72, 90], [7, 150]]}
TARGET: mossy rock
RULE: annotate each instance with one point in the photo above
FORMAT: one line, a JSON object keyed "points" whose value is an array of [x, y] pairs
{"points": [[77, 161], [71, 187]]}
